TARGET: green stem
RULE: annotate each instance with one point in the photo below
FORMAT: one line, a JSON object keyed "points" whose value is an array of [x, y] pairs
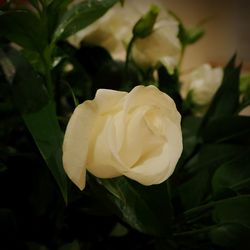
{"points": [[183, 49], [72, 93], [49, 82], [129, 49], [46, 57]]}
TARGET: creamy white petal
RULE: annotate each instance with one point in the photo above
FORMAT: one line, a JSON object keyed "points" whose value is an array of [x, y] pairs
{"points": [[108, 100], [135, 131], [160, 46], [157, 168], [203, 81], [113, 31], [150, 95], [101, 161], [76, 141]]}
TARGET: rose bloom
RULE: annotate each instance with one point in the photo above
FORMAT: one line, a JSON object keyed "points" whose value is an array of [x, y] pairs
{"points": [[113, 31], [135, 134], [203, 82]]}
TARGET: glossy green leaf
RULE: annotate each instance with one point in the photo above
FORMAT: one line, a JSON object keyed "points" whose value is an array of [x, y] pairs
{"points": [[231, 235], [194, 34], [8, 228], [235, 129], [80, 16], [146, 208], [234, 210], [186, 35], [190, 126], [201, 171], [226, 99], [38, 112], [34, 59], [44, 127], [74, 245], [234, 175], [34, 2], [245, 90], [169, 84], [54, 12], [23, 28]]}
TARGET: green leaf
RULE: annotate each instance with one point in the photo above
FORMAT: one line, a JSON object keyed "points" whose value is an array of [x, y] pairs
{"points": [[245, 90], [147, 209], [186, 35], [190, 126], [169, 84], [245, 83], [3, 167], [9, 228], [45, 130], [54, 12], [48, 2], [234, 129], [38, 112], [231, 235], [234, 210], [74, 245], [226, 99], [234, 175], [34, 2], [194, 34], [201, 171], [34, 59], [80, 16], [23, 28]]}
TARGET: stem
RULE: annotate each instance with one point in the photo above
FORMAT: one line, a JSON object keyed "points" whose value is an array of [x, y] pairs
{"points": [[183, 49], [76, 103], [129, 49], [49, 81], [46, 57]]}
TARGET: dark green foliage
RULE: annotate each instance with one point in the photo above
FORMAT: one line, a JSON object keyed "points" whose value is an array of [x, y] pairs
{"points": [[204, 205]]}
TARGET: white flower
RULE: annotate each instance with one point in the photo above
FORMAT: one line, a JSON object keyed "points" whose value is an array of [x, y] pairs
{"points": [[136, 134], [203, 82], [113, 31]]}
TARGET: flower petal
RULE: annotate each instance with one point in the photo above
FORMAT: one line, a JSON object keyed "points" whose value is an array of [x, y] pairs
{"points": [[101, 160], [76, 140], [157, 167], [108, 100]]}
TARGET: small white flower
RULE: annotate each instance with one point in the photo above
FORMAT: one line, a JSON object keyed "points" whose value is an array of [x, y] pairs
{"points": [[203, 82], [113, 31]]}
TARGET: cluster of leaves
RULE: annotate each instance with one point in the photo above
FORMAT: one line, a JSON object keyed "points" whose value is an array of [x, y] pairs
{"points": [[204, 205]]}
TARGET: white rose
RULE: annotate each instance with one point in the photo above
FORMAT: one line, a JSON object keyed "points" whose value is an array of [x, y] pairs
{"points": [[136, 134], [113, 31], [203, 82]]}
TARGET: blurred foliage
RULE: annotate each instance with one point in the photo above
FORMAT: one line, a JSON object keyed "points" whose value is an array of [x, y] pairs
{"points": [[204, 205]]}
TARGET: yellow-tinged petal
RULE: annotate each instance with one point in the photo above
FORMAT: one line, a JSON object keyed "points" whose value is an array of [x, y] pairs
{"points": [[76, 142], [157, 167]]}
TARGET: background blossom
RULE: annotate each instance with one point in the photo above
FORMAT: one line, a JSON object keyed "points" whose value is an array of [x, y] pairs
{"points": [[114, 31]]}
